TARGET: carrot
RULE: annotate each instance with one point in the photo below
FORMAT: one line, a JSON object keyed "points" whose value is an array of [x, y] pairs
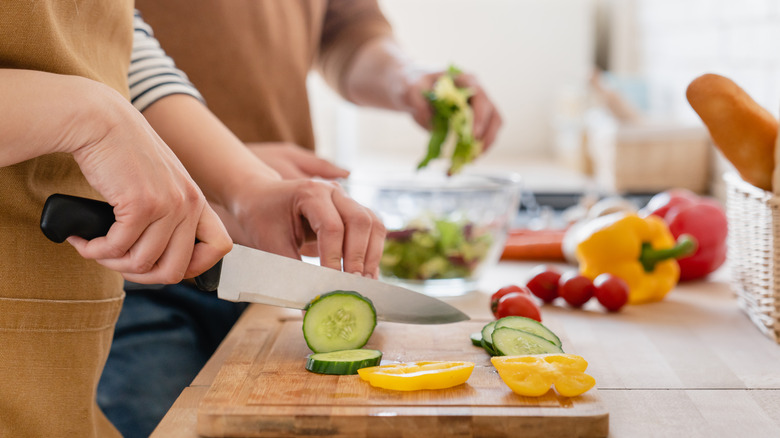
{"points": [[523, 244]]}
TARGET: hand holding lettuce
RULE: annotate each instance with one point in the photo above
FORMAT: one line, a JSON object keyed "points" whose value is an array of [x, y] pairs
{"points": [[452, 114]]}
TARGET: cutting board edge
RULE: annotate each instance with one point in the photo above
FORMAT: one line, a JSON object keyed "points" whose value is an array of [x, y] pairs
{"points": [[357, 425]]}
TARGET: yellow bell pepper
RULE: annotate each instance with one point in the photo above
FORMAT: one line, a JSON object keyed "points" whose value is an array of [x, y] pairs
{"points": [[533, 375], [414, 376], [641, 251]]}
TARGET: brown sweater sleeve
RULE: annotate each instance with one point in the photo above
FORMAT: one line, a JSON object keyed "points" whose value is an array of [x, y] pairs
{"points": [[348, 24]]}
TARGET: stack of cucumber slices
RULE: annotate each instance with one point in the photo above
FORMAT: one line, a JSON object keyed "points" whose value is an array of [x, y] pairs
{"points": [[516, 335], [336, 327]]}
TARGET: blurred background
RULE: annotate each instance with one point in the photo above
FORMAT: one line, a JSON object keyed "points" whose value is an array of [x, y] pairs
{"points": [[592, 92]]}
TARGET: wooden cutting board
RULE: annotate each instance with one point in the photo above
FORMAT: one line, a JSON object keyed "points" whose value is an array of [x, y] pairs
{"points": [[263, 390]]}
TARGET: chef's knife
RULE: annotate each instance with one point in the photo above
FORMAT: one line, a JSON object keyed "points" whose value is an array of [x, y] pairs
{"points": [[251, 275]]}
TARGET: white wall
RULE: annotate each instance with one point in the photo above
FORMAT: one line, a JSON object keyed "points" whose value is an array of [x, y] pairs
{"points": [[525, 52], [678, 40], [682, 39]]}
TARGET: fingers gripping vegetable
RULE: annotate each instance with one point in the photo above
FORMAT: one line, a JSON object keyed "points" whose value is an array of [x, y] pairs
{"points": [[414, 376], [641, 251], [687, 213], [534, 375], [451, 113]]}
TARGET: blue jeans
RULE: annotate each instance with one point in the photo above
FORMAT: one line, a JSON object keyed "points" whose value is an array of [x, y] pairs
{"points": [[163, 338]]}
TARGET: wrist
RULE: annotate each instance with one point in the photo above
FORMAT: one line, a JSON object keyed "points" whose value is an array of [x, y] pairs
{"points": [[101, 111], [381, 75], [243, 186], [408, 90]]}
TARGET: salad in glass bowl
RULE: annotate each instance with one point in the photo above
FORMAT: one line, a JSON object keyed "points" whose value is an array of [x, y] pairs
{"points": [[442, 232]]}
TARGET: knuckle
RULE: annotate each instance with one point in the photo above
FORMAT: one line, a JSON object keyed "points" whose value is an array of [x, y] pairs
{"points": [[379, 229], [141, 265], [171, 276], [354, 263], [226, 245], [114, 251], [144, 209], [191, 196], [332, 228], [362, 222], [309, 188]]}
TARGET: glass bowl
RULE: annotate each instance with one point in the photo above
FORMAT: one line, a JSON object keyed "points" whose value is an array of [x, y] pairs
{"points": [[443, 232]]}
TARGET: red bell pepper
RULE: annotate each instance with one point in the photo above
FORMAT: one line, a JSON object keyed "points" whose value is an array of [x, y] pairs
{"points": [[688, 213]]}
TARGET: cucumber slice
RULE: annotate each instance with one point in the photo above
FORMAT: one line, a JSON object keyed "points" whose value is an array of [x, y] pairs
{"points": [[343, 362], [528, 325], [338, 320], [487, 339], [476, 339], [512, 342]]}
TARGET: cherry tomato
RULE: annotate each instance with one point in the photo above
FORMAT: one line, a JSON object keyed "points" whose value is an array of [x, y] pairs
{"points": [[518, 304], [575, 289], [611, 291], [544, 282], [503, 291]]}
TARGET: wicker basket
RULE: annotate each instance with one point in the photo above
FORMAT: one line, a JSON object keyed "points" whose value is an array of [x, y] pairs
{"points": [[754, 253], [649, 158]]}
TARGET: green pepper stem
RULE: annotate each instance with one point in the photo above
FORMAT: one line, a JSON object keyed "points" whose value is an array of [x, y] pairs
{"points": [[686, 244]]}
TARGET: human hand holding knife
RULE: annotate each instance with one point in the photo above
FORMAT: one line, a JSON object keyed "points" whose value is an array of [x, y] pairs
{"points": [[247, 274]]}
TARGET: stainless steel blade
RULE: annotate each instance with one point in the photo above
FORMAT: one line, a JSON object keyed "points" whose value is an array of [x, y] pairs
{"points": [[257, 276]]}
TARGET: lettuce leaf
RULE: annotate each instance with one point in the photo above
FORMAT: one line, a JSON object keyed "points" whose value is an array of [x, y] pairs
{"points": [[453, 119]]}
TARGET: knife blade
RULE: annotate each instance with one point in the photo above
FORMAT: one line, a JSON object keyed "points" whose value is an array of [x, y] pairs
{"points": [[257, 276], [251, 275]]}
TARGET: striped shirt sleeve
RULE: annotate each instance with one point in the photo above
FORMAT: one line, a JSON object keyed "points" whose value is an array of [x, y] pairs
{"points": [[153, 75]]}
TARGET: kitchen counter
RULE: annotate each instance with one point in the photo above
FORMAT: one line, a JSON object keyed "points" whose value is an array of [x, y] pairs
{"points": [[692, 365]]}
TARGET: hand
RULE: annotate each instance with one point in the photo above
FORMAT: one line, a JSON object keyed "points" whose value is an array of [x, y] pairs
{"points": [[487, 120], [159, 210], [280, 216], [293, 161]]}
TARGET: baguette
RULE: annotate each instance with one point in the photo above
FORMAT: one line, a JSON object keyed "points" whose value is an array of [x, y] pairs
{"points": [[740, 128]]}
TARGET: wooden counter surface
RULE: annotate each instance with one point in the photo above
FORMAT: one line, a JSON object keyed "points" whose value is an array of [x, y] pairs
{"points": [[692, 365]]}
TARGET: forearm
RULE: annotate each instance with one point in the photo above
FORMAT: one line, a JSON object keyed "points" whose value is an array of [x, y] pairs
{"points": [[45, 113], [215, 158], [380, 74]]}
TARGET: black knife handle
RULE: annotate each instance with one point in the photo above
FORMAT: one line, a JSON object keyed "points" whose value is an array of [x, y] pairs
{"points": [[66, 215]]}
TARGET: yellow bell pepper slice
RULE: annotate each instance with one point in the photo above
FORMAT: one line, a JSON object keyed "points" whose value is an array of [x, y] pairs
{"points": [[533, 375], [414, 376]]}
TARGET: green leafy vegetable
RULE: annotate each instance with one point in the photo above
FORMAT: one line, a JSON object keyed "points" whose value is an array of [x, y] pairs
{"points": [[451, 113]]}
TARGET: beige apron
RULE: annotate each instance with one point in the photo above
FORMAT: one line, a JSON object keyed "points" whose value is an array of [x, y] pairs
{"points": [[57, 310], [252, 64]]}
